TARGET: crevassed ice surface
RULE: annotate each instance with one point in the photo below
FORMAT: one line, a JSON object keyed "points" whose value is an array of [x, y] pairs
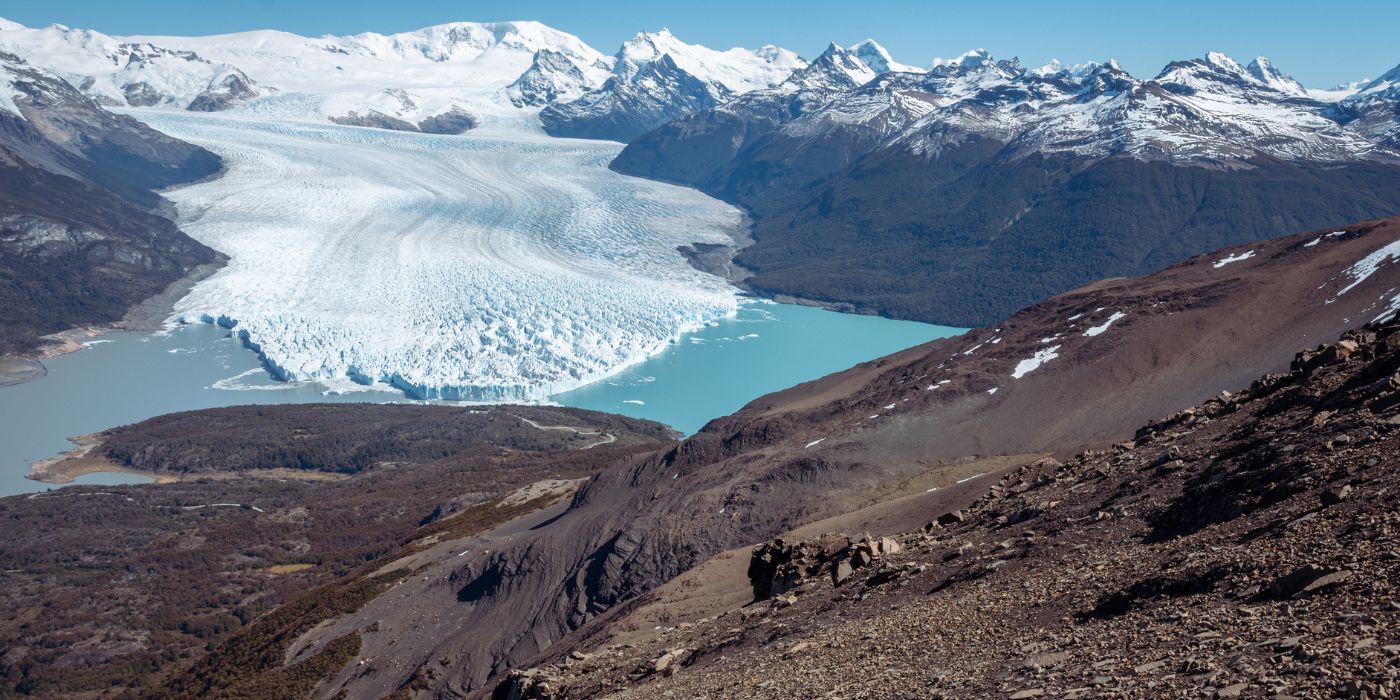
{"points": [[504, 265]]}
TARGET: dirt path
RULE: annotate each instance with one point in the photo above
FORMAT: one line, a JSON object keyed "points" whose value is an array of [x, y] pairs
{"points": [[605, 438]]}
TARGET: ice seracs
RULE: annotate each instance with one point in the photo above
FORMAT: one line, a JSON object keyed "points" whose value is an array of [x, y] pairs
{"points": [[508, 266]]}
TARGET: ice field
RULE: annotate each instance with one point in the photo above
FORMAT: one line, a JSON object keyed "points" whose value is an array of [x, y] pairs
{"points": [[497, 265]]}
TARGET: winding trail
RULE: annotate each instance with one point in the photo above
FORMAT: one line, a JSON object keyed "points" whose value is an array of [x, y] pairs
{"points": [[607, 438]]}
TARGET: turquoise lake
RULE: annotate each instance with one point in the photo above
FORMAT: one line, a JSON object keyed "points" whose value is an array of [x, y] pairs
{"points": [[127, 377]]}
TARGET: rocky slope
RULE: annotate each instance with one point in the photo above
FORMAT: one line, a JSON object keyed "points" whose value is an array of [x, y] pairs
{"points": [[108, 589], [1085, 368], [82, 235], [961, 194], [1244, 547]]}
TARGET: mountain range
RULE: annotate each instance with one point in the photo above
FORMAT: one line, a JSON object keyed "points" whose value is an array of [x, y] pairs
{"points": [[962, 193], [954, 193]]}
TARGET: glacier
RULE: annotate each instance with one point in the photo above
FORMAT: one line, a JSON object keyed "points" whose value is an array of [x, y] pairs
{"points": [[502, 266]]}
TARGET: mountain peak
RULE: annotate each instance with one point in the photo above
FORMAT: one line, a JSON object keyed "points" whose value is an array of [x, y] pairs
{"points": [[1265, 72], [838, 64], [872, 54], [1223, 62], [971, 59]]}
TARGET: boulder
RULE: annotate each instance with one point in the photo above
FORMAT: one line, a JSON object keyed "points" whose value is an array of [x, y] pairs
{"points": [[1332, 497], [1306, 580]]}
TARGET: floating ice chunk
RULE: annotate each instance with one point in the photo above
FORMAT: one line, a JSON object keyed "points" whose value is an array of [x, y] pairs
{"points": [[1099, 329], [1233, 259], [637, 402], [1034, 362]]}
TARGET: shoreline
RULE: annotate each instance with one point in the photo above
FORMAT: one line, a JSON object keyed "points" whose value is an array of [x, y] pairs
{"points": [[718, 259], [78, 461], [148, 315]]}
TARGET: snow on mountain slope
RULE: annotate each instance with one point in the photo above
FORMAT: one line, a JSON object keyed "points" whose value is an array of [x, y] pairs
{"points": [[8, 93], [738, 70], [1375, 108], [878, 59], [656, 78], [1264, 71], [118, 72], [408, 76], [1210, 110], [483, 268], [390, 79], [551, 77]]}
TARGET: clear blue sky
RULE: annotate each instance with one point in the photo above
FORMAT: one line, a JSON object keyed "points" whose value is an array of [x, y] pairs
{"points": [[1321, 44]]}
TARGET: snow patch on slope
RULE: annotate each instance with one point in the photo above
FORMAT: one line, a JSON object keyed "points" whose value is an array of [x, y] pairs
{"points": [[1034, 362], [1102, 327], [1368, 265], [1232, 259]]}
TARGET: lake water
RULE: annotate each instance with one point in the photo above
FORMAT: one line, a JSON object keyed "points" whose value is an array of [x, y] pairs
{"points": [[127, 377]]}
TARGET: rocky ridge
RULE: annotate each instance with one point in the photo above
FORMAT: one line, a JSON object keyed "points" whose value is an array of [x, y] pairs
{"points": [[1243, 547]]}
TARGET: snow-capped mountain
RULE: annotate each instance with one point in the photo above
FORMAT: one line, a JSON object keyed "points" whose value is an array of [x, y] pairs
{"points": [[1210, 110], [420, 80], [118, 72], [737, 70], [551, 77], [989, 185], [872, 54], [654, 93], [391, 80], [1264, 71], [656, 78], [1374, 109]]}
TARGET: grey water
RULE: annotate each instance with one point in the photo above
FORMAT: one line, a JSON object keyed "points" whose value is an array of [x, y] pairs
{"points": [[124, 378]]}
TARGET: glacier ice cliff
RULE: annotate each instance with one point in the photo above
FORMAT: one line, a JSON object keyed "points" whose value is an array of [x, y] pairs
{"points": [[505, 265]]}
